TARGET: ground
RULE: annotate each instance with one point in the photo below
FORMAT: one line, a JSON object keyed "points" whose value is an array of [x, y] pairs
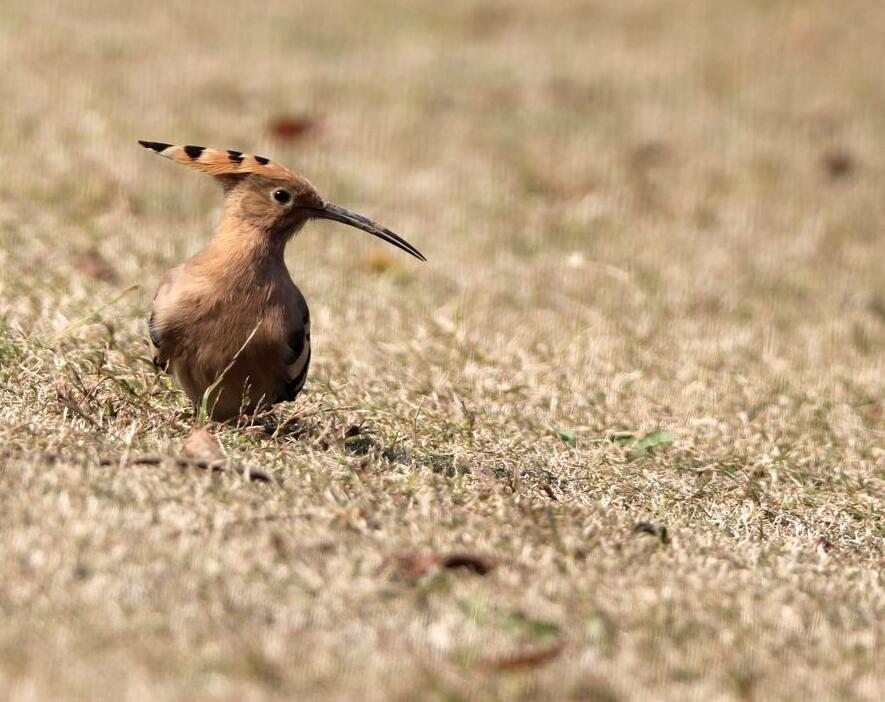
{"points": [[621, 438]]}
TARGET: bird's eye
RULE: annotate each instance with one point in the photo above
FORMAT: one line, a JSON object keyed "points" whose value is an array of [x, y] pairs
{"points": [[284, 197]]}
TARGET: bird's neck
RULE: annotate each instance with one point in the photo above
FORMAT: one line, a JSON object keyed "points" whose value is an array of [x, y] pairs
{"points": [[239, 238], [243, 253]]}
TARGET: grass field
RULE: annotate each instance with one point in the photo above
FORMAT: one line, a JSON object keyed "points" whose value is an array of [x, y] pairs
{"points": [[621, 438]]}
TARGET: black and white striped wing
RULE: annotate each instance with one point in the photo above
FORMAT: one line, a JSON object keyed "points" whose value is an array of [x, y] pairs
{"points": [[298, 362], [156, 343]]}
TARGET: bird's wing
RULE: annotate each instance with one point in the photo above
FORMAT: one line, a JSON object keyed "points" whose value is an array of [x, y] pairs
{"points": [[298, 356], [161, 341]]}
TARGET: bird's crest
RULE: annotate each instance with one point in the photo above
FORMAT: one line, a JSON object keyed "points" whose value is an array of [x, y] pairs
{"points": [[219, 163], [273, 207]]}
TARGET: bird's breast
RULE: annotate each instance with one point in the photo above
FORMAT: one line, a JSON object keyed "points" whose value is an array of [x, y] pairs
{"points": [[244, 333]]}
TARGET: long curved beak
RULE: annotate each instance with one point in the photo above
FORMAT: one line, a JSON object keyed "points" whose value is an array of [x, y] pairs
{"points": [[339, 214]]}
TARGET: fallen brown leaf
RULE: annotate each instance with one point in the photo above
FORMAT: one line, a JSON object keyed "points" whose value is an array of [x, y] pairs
{"points": [[292, 127], [478, 564], [203, 446], [520, 661], [414, 565], [96, 266]]}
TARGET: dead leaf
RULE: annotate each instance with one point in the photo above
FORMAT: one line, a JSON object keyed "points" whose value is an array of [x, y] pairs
{"points": [[292, 127], [549, 490], [96, 266], [202, 446], [414, 565], [478, 564], [521, 661]]}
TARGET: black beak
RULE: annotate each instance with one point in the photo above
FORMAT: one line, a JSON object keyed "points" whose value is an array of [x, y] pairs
{"points": [[339, 214]]}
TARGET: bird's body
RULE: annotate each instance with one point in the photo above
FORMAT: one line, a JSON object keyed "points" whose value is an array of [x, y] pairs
{"points": [[196, 336], [229, 324]]}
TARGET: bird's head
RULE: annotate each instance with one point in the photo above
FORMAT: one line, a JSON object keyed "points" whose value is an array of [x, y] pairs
{"points": [[269, 197]]}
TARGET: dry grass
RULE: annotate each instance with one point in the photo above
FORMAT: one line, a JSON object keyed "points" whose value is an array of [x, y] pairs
{"points": [[640, 216]]}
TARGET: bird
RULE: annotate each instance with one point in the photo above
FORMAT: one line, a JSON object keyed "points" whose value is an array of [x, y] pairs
{"points": [[229, 324]]}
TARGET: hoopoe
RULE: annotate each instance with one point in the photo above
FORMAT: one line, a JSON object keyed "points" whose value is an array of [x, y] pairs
{"points": [[230, 320]]}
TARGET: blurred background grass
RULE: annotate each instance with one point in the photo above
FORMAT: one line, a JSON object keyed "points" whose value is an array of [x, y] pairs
{"points": [[639, 215]]}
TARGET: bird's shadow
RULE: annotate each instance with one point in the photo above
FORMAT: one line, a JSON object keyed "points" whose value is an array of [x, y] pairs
{"points": [[319, 428], [323, 430]]}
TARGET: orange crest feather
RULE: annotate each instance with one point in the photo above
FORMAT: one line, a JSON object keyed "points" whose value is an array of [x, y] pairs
{"points": [[219, 163]]}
